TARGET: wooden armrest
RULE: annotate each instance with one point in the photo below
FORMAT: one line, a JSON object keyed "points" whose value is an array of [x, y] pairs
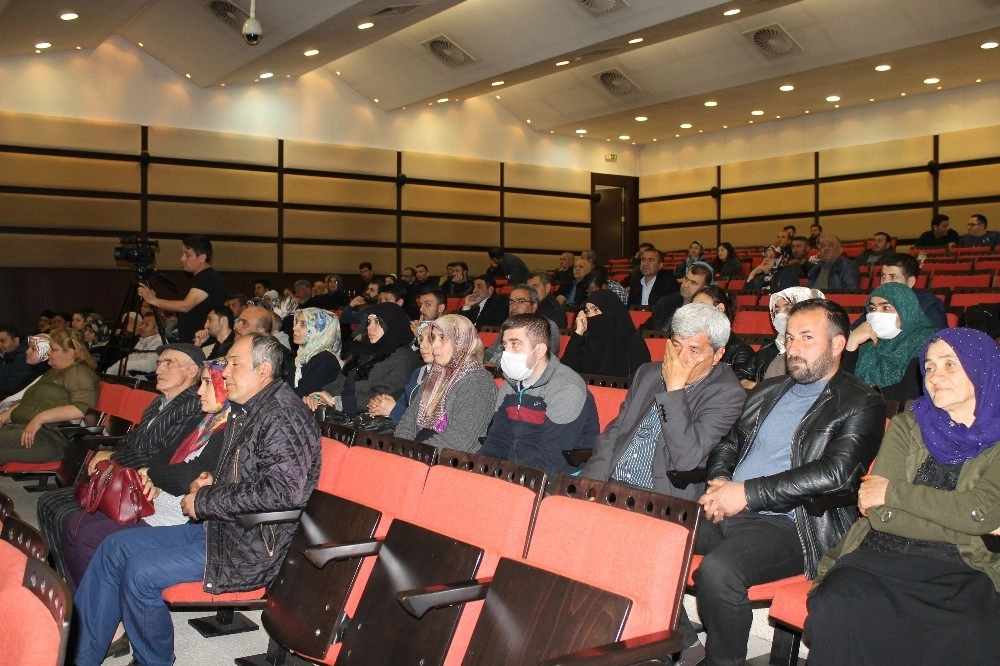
{"points": [[321, 555], [422, 599], [656, 648], [682, 479], [248, 520], [577, 457], [817, 506]]}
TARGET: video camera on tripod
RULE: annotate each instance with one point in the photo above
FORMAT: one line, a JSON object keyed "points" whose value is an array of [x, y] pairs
{"points": [[140, 252]]}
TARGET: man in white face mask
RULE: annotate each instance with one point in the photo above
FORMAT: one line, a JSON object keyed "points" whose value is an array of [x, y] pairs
{"points": [[543, 407]]}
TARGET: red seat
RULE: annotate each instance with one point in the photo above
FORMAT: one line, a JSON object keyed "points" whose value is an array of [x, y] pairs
{"points": [[657, 348], [454, 303], [752, 322], [609, 401], [488, 338], [640, 317], [563, 343], [968, 279], [35, 617]]}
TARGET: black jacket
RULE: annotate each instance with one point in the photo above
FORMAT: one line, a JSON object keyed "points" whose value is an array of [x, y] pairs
{"points": [[740, 357], [665, 284], [491, 312], [270, 462], [831, 449]]}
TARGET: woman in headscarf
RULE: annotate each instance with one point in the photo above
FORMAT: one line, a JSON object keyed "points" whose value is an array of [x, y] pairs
{"points": [[771, 275], [454, 405], [883, 351], [395, 406], [381, 364], [317, 362], [770, 359], [166, 479], [605, 341], [696, 252], [917, 579], [96, 335], [35, 356]]}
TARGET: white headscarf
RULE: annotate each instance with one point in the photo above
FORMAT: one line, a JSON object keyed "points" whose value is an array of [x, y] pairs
{"points": [[322, 334], [793, 295]]}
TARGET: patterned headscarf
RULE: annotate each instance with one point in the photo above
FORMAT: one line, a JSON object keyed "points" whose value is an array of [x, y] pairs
{"points": [[322, 334], [947, 441], [793, 295], [884, 363], [212, 422], [43, 343], [466, 356]]}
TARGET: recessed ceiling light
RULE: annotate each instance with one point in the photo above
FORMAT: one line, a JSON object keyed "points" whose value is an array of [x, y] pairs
{"points": [[685, 125], [496, 83], [786, 88], [37, 51], [78, 48], [366, 25], [188, 75], [266, 75], [641, 119], [581, 131], [443, 100], [637, 40], [311, 52], [807, 110], [624, 137], [711, 103], [833, 98], [140, 45], [223, 85], [498, 96], [932, 80], [836, 106], [42, 45], [989, 45], [69, 16], [883, 68], [979, 80], [902, 94], [778, 117], [871, 99], [731, 12], [725, 127], [756, 112], [751, 122], [562, 62]]}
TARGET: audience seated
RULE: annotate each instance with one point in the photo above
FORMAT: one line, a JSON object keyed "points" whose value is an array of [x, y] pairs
{"points": [[452, 407], [141, 360], [697, 276], [458, 284], [979, 235], [696, 252], [394, 406], [563, 276], [904, 269], [739, 355], [800, 256], [675, 412], [507, 266], [833, 270], [604, 341], [575, 293], [548, 306], [884, 351], [940, 234], [913, 580], [483, 306], [317, 362], [64, 393], [218, 333], [653, 281], [523, 299], [543, 407], [16, 373], [97, 337], [726, 264], [771, 275], [770, 358], [880, 247]]}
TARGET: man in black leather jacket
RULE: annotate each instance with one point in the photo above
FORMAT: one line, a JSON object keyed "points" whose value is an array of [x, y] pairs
{"points": [[813, 432]]}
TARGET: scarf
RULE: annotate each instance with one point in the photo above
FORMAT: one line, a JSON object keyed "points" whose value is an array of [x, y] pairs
{"points": [[607, 341], [793, 295], [322, 335], [43, 344], [948, 442], [466, 357], [396, 333], [779, 263], [211, 423], [883, 363]]}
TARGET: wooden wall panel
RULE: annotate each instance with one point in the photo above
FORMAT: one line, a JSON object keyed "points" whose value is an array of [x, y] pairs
{"points": [[534, 177], [960, 216], [340, 192], [333, 226], [767, 202], [23, 129], [453, 169], [450, 200], [686, 181], [541, 261], [898, 223], [746, 234], [969, 144], [28, 210], [770, 170], [981, 181], [185, 218], [216, 183], [668, 240], [905, 188], [71, 173], [346, 159], [319, 259], [435, 231], [696, 209], [540, 207], [212, 146], [540, 236], [915, 151], [28, 250]]}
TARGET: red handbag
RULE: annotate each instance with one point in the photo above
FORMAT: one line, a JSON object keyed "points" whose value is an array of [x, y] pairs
{"points": [[115, 491]]}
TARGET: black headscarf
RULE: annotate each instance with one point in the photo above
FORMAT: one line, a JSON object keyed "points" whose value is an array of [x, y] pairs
{"points": [[396, 333], [611, 344]]}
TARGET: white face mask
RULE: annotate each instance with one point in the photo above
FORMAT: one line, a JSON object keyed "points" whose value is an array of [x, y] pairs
{"points": [[884, 324], [515, 366], [780, 323]]}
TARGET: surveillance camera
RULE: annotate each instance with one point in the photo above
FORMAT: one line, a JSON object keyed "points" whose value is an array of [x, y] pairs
{"points": [[252, 31]]}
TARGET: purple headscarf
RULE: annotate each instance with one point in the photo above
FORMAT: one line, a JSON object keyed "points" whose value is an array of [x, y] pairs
{"points": [[951, 443]]}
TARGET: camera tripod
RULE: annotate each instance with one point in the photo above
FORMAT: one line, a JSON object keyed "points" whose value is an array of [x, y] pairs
{"points": [[125, 337]]}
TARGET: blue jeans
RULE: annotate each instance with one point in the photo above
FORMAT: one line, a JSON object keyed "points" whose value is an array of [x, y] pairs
{"points": [[125, 581]]}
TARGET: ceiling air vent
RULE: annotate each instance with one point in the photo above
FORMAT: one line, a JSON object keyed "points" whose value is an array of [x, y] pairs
{"points": [[447, 51], [599, 8], [615, 82], [227, 12], [396, 10], [773, 41]]}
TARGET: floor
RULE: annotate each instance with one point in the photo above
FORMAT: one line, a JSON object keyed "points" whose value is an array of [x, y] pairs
{"points": [[194, 650]]}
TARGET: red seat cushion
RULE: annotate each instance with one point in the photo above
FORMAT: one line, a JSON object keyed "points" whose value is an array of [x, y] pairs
{"points": [[192, 593]]}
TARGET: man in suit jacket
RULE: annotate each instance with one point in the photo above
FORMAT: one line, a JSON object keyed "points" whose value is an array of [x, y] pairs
{"points": [[653, 280], [484, 306], [675, 412]]}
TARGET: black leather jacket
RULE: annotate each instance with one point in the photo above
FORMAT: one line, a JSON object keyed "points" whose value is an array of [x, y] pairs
{"points": [[270, 462], [832, 448], [740, 357]]}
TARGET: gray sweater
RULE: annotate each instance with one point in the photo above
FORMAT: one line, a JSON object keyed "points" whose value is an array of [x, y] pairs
{"points": [[470, 405]]}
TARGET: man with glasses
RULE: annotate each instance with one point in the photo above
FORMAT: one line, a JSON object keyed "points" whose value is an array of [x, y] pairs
{"points": [[978, 235], [523, 300]]}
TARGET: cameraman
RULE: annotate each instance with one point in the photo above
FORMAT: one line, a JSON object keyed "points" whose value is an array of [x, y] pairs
{"points": [[206, 292]]}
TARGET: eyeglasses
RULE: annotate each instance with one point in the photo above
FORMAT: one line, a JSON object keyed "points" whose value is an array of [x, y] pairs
{"points": [[520, 301]]}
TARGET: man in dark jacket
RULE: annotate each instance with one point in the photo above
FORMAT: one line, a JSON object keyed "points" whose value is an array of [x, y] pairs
{"points": [[270, 462], [15, 373], [813, 432], [485, 307], [653, 281], [834, 270]]}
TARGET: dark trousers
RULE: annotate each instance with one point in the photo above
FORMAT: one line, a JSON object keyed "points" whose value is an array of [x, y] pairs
{"points": [[747, 549]]}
